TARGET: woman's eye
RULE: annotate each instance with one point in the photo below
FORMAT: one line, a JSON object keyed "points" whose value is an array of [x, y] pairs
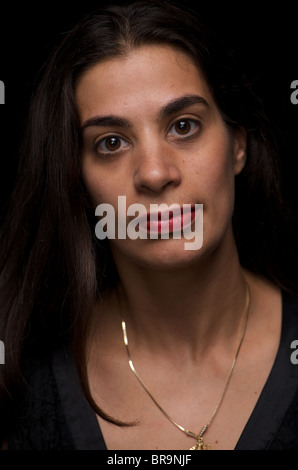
{"points": [[111, 144], [184, 127]]}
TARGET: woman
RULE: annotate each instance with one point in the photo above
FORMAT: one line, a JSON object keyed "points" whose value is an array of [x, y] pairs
{"points": [[138, 102]]}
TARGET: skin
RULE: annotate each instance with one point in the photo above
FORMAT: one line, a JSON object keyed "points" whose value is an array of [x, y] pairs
{"points": [[184, 310]]}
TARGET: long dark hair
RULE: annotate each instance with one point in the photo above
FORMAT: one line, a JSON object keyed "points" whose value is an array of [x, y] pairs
{"points": [[53, 269]]}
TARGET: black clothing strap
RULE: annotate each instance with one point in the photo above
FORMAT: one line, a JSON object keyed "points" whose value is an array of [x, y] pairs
{"points": [[80, 417], [280, 391]]}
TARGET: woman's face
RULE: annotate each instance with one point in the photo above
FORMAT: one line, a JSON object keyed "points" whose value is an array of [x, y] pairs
{"points": [[152, 133]]}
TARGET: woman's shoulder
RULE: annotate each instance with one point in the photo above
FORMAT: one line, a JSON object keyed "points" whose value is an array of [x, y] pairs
{"points": [[38, 421]]}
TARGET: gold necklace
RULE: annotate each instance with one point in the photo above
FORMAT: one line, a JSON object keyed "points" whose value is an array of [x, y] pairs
{"points": [[200, 445]]}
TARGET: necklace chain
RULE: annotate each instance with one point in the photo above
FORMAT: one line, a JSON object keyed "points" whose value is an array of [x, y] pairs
{"points": [[200, 445]]}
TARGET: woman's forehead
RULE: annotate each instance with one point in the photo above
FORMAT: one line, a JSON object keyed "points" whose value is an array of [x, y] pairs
{"points": [[149, 76]]}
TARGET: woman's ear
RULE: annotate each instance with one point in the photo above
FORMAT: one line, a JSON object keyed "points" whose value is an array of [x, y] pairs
{"points": [[240, 144]]}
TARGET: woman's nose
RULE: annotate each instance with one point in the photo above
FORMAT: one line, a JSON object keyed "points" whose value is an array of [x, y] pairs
{"points": [[156, 169]]}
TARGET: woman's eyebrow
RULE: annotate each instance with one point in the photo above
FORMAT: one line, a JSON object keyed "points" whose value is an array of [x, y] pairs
{"points": [[172, 107], [106, 121], [181, 103]]}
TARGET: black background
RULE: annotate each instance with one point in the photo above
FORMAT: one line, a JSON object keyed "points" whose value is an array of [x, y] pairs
{"points": [[264, 38]]}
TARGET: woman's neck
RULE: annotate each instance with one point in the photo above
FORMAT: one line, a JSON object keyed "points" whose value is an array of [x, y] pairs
{"points": [[181, 310]]}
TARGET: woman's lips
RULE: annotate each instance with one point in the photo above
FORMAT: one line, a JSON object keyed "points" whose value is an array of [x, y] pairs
{"points": [[169, 221]]}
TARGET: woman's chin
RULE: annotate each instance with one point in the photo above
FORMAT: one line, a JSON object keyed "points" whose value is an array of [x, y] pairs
{"points": [[162, 255]]}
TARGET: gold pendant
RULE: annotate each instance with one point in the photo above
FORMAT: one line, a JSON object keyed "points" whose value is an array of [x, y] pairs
{"points": [[200, 445]]}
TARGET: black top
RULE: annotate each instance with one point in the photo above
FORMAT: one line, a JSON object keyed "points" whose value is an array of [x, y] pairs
{"points": [[54, 414]]}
